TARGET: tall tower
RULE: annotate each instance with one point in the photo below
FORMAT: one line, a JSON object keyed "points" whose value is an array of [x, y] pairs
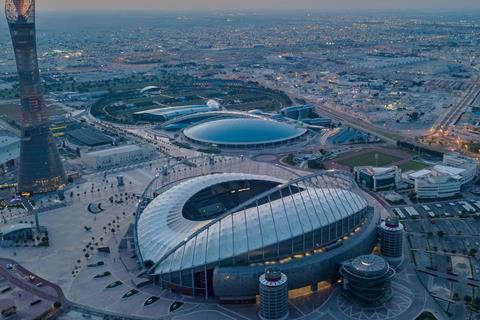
{"points": [[40, 168]]}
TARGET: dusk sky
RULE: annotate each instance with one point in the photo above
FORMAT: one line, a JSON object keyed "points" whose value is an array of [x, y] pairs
{"points": [[256, 4]]}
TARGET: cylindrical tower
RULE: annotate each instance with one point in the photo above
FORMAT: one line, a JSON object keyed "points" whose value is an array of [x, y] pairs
{"points": [[273, 295], [391, 240], [367, 278], [40, 167]]}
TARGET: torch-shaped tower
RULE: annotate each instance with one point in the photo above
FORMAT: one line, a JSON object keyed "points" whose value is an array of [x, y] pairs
{"points": [[40, 168]]}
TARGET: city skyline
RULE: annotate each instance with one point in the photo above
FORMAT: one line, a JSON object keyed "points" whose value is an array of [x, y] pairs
{"points": [[207, 5]]}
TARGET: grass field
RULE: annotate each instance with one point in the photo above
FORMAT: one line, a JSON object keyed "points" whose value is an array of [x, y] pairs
{"points": [[368, 159], [413, 165]]}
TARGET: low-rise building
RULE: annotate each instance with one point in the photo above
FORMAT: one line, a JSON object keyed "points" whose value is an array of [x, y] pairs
{"points": [[10, 234], [298, 112], [9, 151], [117, 156], [444, 180], [377, 178]]}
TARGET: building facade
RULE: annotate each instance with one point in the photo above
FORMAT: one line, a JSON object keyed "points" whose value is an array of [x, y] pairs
{"points": [[273, 295], [117, 156], [367, 279], [391, 233], [377, 178], [447, 179]]}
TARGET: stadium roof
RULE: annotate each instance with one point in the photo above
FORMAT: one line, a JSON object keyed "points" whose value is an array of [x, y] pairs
{"points": [[243, 131], [166, 237]]}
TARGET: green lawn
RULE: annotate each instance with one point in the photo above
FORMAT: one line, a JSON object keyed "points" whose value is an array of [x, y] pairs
{"points": [[413, 165], [368, 159]]}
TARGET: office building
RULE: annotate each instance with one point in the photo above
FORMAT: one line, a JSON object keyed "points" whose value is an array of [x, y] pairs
{"points": [[377, 178]]}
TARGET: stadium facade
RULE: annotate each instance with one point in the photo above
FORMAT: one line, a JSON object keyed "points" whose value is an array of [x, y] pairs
{"points": [[214, 235], [40, 166]]}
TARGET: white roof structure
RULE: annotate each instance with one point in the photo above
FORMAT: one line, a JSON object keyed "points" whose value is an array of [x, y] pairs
{"points": [[451, 171], [149, 88], [419, 173], [114, 151], [176, 243], [14, 227], [173, 112]]}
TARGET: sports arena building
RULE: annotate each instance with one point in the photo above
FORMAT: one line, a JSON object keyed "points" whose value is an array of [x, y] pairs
{"points": [[243, 133], [214, 235]]}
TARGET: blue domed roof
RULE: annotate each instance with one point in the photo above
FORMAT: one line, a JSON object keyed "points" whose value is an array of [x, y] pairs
{"points": [[243, 131]]}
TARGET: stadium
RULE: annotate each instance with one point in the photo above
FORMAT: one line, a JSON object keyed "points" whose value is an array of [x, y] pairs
{"points": [[214, 235], [243, 133]]}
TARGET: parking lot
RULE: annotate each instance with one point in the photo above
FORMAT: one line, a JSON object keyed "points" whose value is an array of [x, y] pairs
{"points": [[443, 239]]}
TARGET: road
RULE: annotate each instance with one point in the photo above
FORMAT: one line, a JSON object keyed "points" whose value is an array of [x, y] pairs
{"points": [[454, 114], [18, 276], [359, 124]]}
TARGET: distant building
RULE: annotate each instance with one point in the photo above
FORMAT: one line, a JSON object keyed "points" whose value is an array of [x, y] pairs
{"points": [[443, 181], [9, 234], [169, 113], [150, 90], [391, 240], [59, 126], [299, 112], [469, 165], [367, 279], [273, 295], [9, 151], [87, 137], [377, 178], [320, 121], [129, 154]]}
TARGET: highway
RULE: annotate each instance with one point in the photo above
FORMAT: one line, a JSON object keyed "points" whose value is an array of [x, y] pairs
{"points": [[453, 115], [348, 119]]}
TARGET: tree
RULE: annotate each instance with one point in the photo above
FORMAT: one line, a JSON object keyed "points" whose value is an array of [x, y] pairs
{"points": [[472, 252]]}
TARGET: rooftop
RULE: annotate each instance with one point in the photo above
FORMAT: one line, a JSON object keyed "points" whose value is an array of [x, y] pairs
{"points": [[162, 226], [113, 151], [243, 131]]}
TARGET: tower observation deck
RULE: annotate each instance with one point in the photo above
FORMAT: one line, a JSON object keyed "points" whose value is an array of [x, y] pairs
{"points": [[40, 167]]}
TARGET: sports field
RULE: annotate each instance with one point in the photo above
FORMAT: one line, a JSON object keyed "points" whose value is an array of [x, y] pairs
{"points": [[369, 159], [413, 165]]}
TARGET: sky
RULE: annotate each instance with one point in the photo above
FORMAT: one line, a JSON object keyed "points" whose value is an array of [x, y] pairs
{"points": [[195, 5]]}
